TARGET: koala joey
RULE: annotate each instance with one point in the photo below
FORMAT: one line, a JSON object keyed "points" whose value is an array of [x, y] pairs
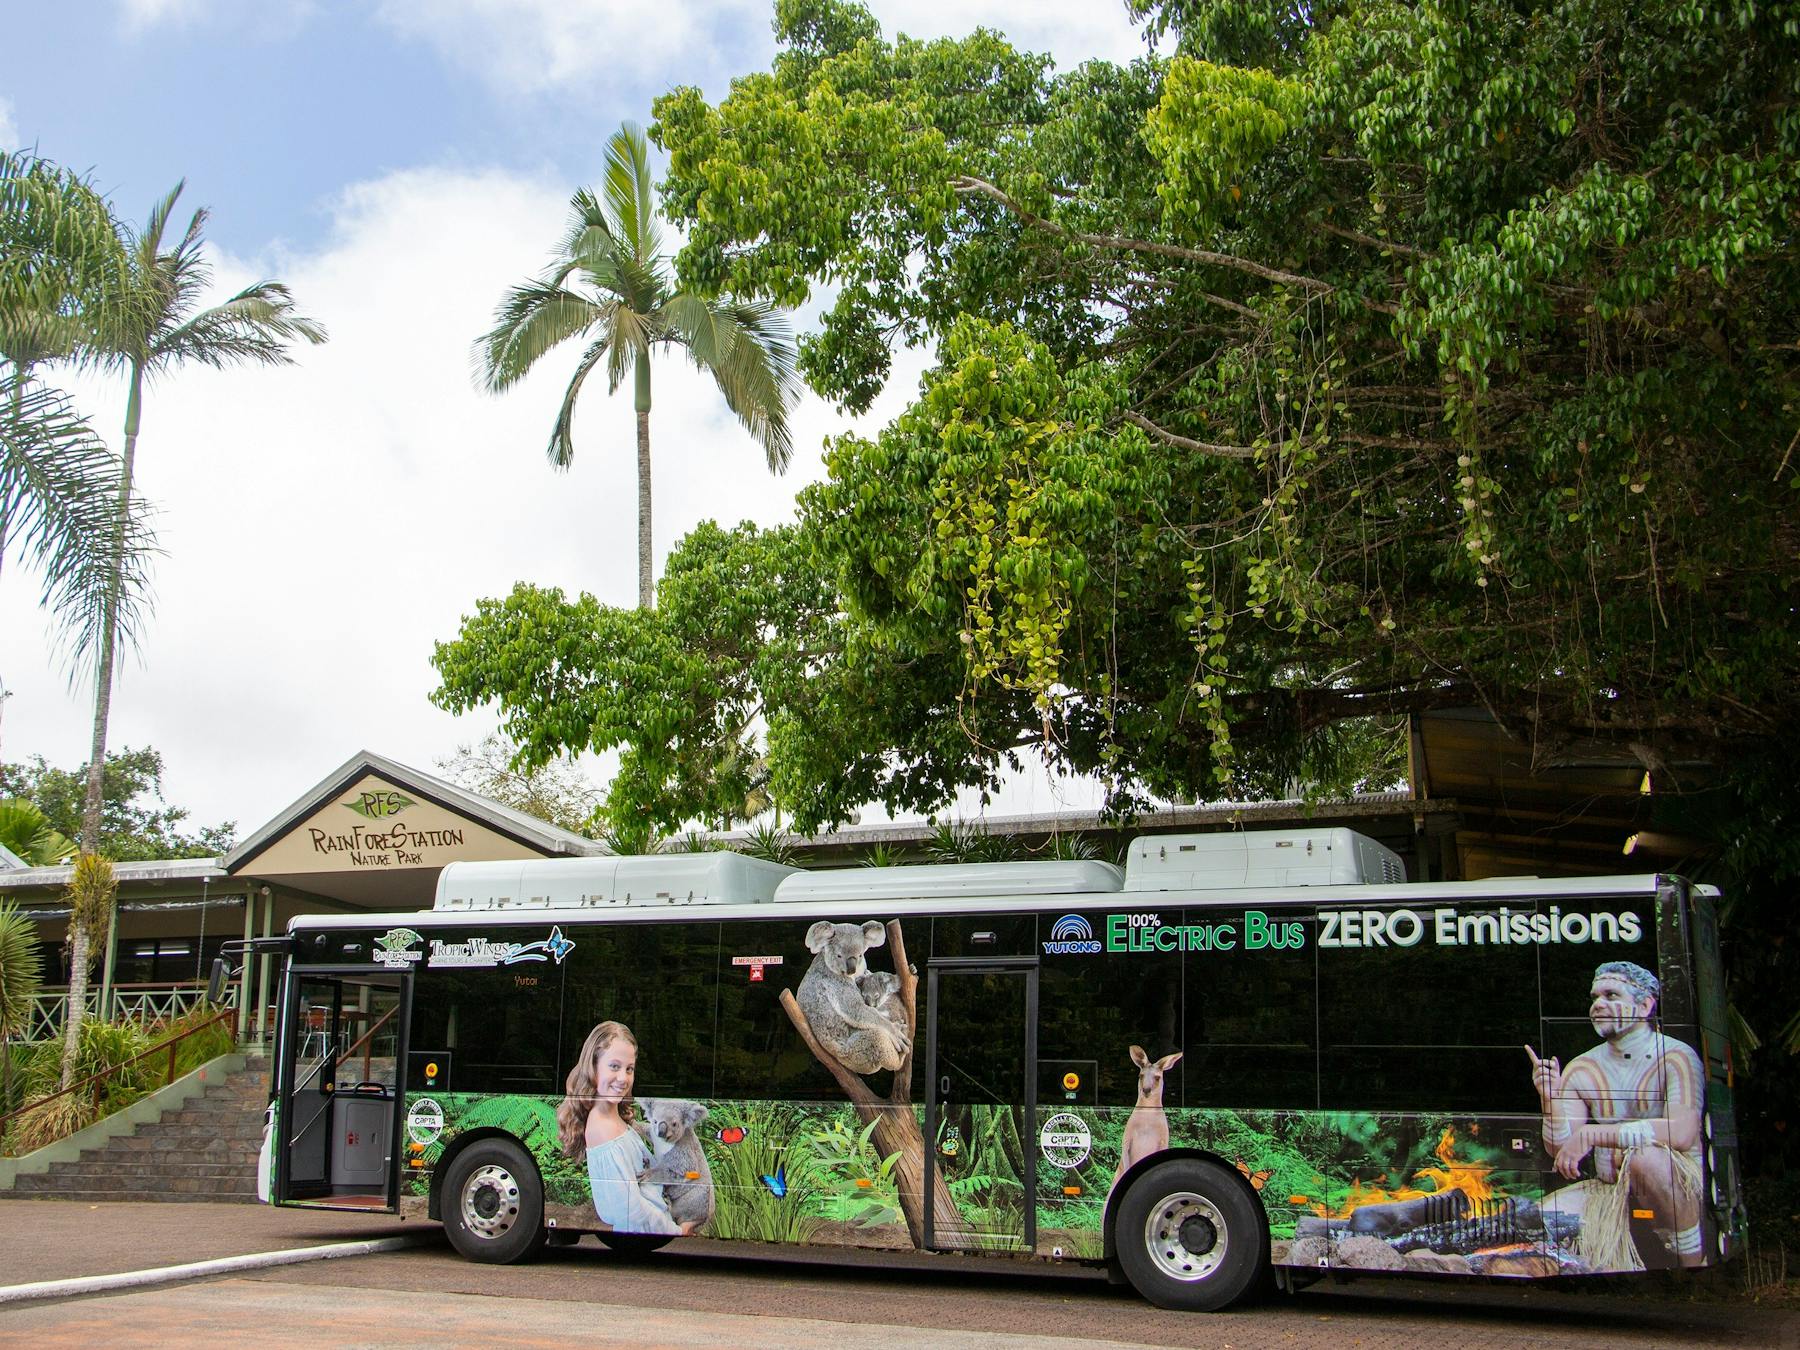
{"points": [[880, 989], [864, 1039], [670, 1125]]}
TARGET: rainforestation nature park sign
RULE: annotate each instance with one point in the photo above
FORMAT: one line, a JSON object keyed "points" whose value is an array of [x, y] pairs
{"points": [[376, 826]]}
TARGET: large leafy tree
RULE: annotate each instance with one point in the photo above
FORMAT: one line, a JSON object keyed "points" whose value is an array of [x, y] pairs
{"points": [[1420, 353], [137, 823], [1354, 359], [611, 287], [558, 792]]}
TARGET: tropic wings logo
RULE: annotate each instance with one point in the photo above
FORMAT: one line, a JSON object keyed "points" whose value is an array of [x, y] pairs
{"points": [[1071, 935]]}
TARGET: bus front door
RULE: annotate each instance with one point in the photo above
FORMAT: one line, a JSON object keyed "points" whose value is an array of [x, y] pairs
{"points": [[980, 1105], [338, 1124]]}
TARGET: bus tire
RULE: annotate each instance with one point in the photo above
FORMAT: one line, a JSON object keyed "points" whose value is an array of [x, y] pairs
{"points": [[634, 1244], [493, 1204], [1190, 1237]]}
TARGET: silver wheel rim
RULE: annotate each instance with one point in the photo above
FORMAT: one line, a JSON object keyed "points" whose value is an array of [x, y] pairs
{"points": [[1163, 1236], [490, 1202]]}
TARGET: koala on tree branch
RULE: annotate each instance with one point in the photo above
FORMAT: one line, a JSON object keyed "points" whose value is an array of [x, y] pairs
{"points": [[864, 1039]]}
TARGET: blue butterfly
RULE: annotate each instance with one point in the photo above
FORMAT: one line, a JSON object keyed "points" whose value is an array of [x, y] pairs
{"points": [[777, 1184]]}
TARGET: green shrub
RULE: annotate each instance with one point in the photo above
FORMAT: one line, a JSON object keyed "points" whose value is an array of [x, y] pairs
{"points": [[201, 1048], [100, 1046]]}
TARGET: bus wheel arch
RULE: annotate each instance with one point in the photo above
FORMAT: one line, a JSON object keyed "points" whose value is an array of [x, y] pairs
{"points": [[1188, 1231], [491, 1199]]}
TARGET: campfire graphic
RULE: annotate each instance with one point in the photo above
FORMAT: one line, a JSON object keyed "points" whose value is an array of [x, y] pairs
{"points": [[1469, 1178], [1452, 1215]]}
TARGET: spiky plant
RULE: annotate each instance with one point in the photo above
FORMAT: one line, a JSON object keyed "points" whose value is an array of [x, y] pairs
{"points": [[771, 843], [1071, 848], [92, 887], [21, 976]]}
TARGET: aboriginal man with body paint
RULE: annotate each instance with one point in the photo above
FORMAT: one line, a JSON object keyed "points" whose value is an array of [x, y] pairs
{"points": [[1634, 1103]]}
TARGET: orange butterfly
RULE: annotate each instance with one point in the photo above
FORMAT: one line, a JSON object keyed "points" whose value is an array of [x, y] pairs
{"points": [[1256, 1179]]}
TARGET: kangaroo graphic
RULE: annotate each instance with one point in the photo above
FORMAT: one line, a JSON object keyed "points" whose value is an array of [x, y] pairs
{"points": [[1147, 1131]]}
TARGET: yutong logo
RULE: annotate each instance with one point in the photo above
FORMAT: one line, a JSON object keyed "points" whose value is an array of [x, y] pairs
{"points": [[1072, 936]]}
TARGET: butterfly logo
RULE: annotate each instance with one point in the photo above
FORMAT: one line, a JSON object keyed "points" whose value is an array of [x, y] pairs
{"points": [[1256, 1179], [777, 1184], [731, 1134]]}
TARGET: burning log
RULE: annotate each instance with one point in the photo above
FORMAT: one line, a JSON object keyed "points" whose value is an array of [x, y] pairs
{"points": [[1396, 1216], [1512, 1222], [1447, 1227]]}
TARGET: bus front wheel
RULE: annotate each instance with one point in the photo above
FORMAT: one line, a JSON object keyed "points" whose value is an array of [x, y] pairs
{"points": [[1190, 1237], [493, 1203]]}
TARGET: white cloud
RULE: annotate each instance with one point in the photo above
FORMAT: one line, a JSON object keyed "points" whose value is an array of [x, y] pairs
{"points": [[1072, 33], [140, 14], [324, 524], [536, 45], [268, 16], [9, 129], [544, 45]]}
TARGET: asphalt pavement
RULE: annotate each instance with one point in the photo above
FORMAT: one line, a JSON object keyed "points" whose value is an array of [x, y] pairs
{"points": [[700, 1294], [61, 1239]]}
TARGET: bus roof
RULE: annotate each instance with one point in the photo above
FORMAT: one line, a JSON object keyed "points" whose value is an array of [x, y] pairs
{"points": [[1411, 895]]}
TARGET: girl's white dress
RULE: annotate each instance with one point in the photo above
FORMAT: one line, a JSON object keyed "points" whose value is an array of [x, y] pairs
{"points": [[619, 1200]]}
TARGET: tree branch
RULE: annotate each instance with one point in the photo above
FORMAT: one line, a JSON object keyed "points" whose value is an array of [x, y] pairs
{"points": [[1371, 241], [1184, 443], [854, 1087], [900, 1094], [966, 185]]}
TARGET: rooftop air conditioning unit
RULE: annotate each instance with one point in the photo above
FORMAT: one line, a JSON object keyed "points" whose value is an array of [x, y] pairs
{"points": [[1252, 859]]}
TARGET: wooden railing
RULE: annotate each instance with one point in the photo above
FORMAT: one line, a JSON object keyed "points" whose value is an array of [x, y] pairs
{"points": [[94, 1080]]}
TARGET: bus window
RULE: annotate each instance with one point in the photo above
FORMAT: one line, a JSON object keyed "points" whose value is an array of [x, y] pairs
{"points": [[1094, 1008], [1434, 1025], [1252, 1013], [759, 1053], [658, 979], [496, 1026], [983, 935]]}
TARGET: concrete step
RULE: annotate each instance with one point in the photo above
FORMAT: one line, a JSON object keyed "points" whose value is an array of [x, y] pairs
{"points": [[63, 1173], [205, 1149], [111, 1183]]}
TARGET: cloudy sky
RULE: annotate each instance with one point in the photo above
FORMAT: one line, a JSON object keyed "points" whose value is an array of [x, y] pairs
{"points": [[398, 163]]}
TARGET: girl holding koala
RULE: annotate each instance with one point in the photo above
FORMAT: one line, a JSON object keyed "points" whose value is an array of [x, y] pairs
{"points": [[596, 1119]]}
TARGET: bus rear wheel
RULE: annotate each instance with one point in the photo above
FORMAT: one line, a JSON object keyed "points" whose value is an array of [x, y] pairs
{"points": [[1190, 1237], [493, 1204], [634, 1244]]}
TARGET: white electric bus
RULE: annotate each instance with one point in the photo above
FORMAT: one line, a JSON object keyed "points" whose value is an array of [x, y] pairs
{"points": [[1238, 1057]]}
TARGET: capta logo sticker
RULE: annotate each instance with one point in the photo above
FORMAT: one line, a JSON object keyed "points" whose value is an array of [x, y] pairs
{"points": [[425, 1121], [1065, 1140]]}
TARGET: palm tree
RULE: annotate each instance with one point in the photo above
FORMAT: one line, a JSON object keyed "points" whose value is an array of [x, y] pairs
{"points": [[611, 286], [61, 269], [157, 330]]}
